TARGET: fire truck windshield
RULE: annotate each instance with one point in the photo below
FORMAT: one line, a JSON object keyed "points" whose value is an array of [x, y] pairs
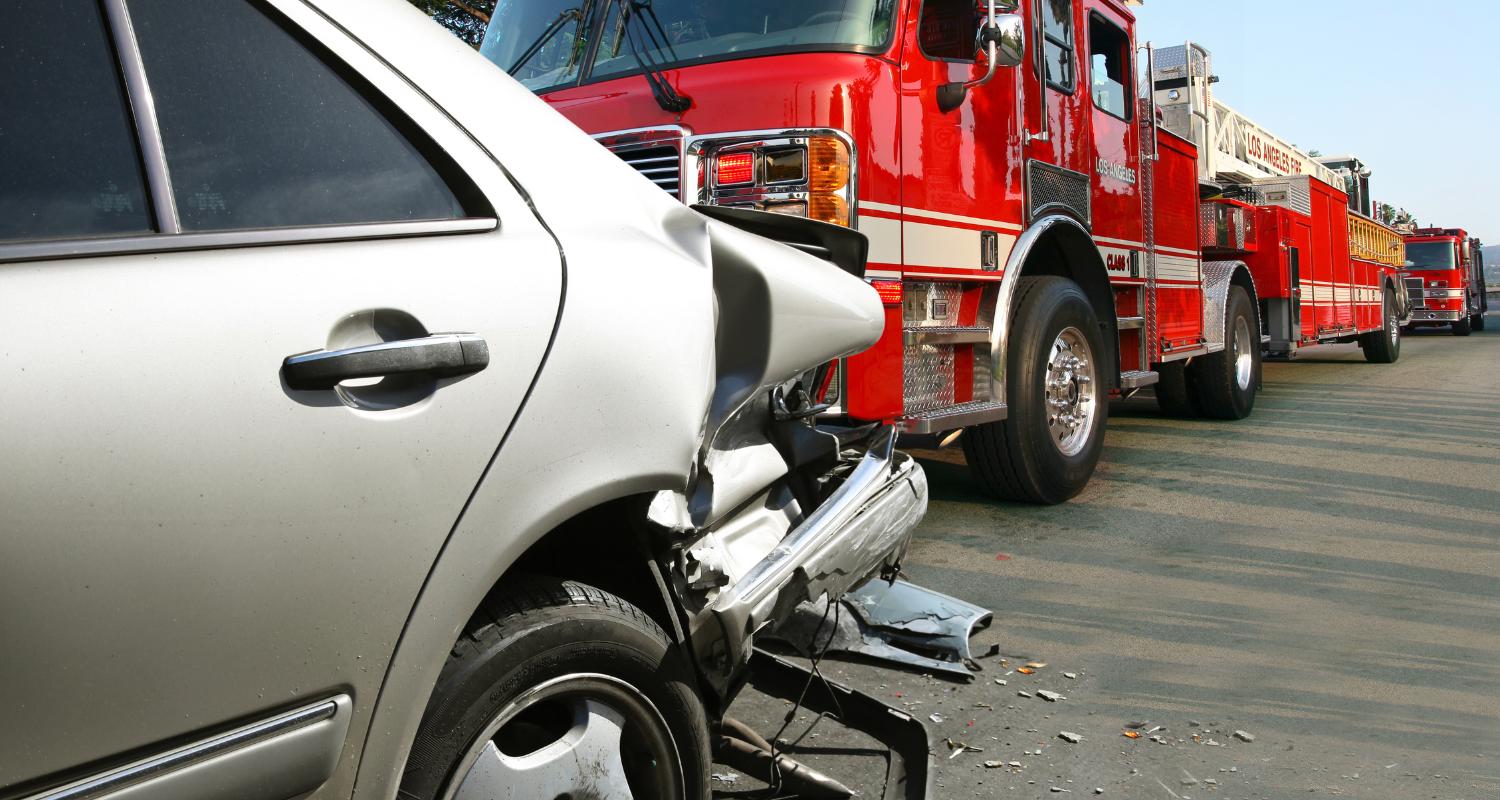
{"points": [[545, 43], [1430, 255]]}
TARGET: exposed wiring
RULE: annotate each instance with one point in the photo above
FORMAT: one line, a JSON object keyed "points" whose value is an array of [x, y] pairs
{"points": [[775, 788]]}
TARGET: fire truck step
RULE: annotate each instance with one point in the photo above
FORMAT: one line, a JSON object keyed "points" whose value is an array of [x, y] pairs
{"points": [[952, 417], [947, 335], [1137, 379]]}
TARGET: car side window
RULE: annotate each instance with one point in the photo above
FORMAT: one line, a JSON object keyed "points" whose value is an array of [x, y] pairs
{"points": [[69, 166], [260, 132]]}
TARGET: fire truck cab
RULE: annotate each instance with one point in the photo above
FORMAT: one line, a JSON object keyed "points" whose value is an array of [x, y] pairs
{"points": [[1034, 233], [1444, 277]]}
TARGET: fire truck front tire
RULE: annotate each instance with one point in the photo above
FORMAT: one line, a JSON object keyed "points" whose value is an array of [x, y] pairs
{"points": [[1045, 451], [1225, 382], [1463, 327], [1175, 392], [1384, 346]]}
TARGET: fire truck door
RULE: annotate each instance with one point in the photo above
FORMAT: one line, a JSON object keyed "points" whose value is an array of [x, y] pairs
{"points": [[1115, 179], [1057, 156], [1306, 290]]}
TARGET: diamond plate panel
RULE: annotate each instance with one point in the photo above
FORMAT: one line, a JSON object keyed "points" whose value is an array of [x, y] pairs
{"points": [[1291, 192], [983, 365], [931, 305], [928, 377], [1216, 275]]}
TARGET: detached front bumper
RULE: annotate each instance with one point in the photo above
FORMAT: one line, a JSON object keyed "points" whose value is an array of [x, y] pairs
{"points": [[862, 529]]}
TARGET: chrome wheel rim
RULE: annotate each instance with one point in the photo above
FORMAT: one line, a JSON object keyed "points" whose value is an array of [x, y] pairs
{"points": [[1244, 357], [1072, 392], [578, 736]]}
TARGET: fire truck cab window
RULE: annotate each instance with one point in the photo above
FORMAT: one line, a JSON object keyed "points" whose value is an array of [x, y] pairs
{"points": [[1109, 67], [1057, 47], [947, 29]]}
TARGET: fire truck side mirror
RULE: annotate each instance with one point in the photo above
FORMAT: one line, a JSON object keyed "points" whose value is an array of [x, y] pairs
{"points": [[1008, 32], [1001, 43]]}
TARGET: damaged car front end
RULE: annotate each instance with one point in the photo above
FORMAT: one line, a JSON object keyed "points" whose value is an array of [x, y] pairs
{"points": [[781, 509]]}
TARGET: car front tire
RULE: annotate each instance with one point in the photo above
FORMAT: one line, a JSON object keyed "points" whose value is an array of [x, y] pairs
{"points": [[559, 689]]}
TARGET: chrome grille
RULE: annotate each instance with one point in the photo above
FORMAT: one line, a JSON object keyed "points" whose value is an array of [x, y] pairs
{"points": [[661, 164], [654, 152], [1415, 294], [1050, 187]]}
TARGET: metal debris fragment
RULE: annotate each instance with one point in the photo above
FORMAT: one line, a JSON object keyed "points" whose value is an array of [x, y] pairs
{"points": [[725, 777], [1070, 675], [1069, 737], [1049, 696], [1244, 737]]}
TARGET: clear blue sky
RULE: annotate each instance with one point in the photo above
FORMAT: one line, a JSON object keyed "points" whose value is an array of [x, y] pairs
{"points": [[1411, 88]]}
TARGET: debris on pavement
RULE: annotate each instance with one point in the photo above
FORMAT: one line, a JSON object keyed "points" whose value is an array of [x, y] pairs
{"points": [[1049, 696], [1070, 675], [1026, 670], [1070, 737], [1244, 737], [725, 777], [898, 622], [1131, 734]]}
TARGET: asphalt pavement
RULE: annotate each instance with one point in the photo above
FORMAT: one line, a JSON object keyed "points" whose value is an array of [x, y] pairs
{"points": [[1323, 578]]}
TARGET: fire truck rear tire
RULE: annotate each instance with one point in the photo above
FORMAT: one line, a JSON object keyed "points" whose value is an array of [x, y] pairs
{"points": [[1477, 322], [1175, 392], [1462, 327], [1016, 458], [1225, 382], [1384, 346]]}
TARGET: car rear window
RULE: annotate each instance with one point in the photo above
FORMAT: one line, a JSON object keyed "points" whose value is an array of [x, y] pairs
{"points": [[260, 132], [69, 166]]}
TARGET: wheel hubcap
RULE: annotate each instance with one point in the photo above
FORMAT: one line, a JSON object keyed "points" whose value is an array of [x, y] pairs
{"points": [[1244, 357], [1072, 392], [579, 736]]}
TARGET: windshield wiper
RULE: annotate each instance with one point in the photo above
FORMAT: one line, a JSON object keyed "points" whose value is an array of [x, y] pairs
{"points": [[536, 46], [636, 38]]}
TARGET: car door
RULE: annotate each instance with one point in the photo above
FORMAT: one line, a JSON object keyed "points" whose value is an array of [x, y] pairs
{"points": [[191, 543]]}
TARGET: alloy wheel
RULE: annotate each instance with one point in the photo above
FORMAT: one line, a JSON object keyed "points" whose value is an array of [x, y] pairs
{"points": [[577, 736], [1072, 392]]}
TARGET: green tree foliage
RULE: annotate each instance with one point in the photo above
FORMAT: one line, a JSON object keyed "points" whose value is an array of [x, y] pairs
{"points": [[465, 18], [1391, 216]]}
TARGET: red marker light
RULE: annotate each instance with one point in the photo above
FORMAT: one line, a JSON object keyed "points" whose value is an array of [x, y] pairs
{"points": [[735, 168], [889, 291]]}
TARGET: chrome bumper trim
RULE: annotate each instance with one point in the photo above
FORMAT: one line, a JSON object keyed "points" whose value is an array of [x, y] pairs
{"points": [[863, 528], [1422, 315]]}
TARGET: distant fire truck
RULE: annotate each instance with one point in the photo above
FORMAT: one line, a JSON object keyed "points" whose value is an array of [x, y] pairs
{"points": [[1045, 231], [1445, 279]]}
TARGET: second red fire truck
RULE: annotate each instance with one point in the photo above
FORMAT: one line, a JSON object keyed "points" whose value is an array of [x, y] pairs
{"points": [[1045, 231], [1445, 279]]}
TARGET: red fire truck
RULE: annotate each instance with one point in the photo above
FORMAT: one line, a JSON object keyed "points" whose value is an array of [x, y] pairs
{"points": [[1445, 279], [1040, 236]]}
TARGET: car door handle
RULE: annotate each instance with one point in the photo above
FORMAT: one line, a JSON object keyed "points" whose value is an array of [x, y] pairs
{"points": [[442, 355]]}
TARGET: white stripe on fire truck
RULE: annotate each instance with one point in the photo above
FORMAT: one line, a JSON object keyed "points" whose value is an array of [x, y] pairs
{"points": [[923, 213], [927, 245], [885, 238]]}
